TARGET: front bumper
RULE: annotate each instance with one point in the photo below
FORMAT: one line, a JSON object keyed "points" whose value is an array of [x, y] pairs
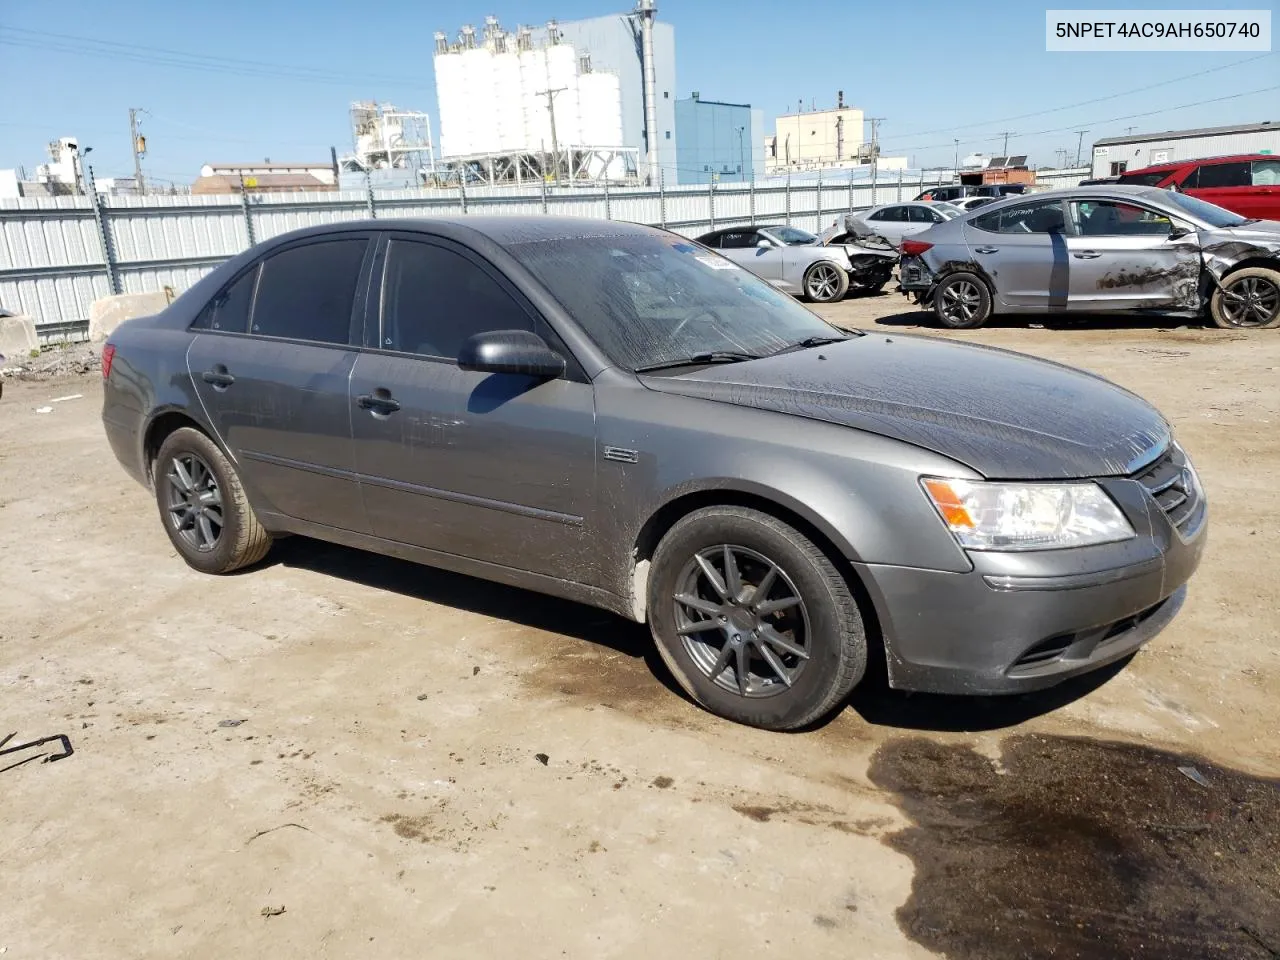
{"points": [[1022, 622]]}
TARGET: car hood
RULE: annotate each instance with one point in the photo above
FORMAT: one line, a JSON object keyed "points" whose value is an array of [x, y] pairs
{"points": [[1006, 415], [1228, 246]]}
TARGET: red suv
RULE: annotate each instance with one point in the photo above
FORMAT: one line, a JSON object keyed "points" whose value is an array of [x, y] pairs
{"points": [[1247, 184]]}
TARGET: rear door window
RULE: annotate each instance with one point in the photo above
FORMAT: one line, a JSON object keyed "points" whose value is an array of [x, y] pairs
{"points": [[923, 215], [229, 310], [308, 292], [1224, 175], [1043, 217], [738, 240], [435, 298], [1266, 173]]}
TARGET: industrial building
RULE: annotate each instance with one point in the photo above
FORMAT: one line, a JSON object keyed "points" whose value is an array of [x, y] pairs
{"points": [[1112, 156], [582, 100], [266, 177], [718, 141], [817, 139]]}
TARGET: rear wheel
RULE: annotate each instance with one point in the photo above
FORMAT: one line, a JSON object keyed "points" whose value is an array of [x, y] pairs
{"points": [[203, 506], [1248, 298], [962, 301], [825, 283], [753, 620]]}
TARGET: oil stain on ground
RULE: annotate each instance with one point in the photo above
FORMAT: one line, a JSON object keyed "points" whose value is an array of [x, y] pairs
{"points": [[1074, 848]]}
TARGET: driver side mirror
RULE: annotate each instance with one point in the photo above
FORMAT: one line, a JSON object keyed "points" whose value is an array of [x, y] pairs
{"points": [[764, 243], [510, 351], [1180, 230]]}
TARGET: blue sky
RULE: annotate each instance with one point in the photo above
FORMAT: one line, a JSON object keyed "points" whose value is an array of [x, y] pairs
{"points": [[936, 71]]}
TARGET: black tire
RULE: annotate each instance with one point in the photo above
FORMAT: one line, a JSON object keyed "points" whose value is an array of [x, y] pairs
{"points": [[1251, 300], [962, 301], [825, 624], [187, 505], [824, 282]]}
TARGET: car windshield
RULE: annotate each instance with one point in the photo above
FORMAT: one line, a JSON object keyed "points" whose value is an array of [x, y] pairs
{"points": [[1210, 213], [650, 299], [792, 236]]}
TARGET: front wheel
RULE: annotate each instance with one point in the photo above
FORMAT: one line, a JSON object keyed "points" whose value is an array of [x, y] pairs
{"points": [[1248, 298], [825, 283], [753, 620], [962, 302]]}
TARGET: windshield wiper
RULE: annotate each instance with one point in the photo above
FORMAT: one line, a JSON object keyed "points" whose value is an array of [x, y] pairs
{"points": [[808, 342], [711, 356]]}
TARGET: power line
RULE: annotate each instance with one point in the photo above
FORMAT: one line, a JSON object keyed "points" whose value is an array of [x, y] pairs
{"points": [[1128, 116], [1085, 103], [157, 56]]}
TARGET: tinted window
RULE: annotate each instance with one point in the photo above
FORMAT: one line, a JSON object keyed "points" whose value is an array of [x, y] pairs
{"points": [[892, 214], [306, 293], [1145, 179], [434, 299], [652, 298], [1224, 175], [738, 240], [710, 240], [1022, 218], [923, 215], [229, 310], [1111, 218], [1266, 173]]}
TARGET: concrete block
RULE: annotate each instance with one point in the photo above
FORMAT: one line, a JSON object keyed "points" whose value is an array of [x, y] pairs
{"points": [[17, 339], [107, 313]]}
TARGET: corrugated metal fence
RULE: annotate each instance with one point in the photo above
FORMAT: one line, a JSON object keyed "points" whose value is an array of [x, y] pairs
{"points": [[59, 254]]}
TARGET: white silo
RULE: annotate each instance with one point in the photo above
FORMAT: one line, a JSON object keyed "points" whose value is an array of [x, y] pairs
{"points": [[600, 99]]}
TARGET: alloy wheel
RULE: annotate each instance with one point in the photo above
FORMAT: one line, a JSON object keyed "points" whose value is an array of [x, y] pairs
{"points": [[1251, 302], [960, 301], [823, 282], [194, 502], [742, 620]]}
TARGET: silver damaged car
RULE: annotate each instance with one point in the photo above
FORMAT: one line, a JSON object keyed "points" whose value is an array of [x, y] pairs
{"points": [[1100, 249], [617, 415]]}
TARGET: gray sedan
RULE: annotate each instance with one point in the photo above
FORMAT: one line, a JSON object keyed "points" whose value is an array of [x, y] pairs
{"points": [[1112, 249], [614, 414]]}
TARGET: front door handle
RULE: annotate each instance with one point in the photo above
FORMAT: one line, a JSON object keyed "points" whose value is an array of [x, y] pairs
{"points": [[218, 377], [986, 249], [1087, 255], [379, 403]]}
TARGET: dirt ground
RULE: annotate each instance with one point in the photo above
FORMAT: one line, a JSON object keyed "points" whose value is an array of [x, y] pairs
{"points": [[338, 755]]}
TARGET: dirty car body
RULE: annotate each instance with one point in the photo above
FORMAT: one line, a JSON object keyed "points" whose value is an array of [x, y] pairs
{"points": [[613, 414], [1099, 249]]}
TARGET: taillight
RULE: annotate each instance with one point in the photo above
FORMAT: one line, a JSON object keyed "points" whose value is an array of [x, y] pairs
{"points": [[913, 248], [108, 354]]}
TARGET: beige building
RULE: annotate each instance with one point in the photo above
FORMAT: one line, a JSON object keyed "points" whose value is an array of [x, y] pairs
{"points": [[818, 139]]}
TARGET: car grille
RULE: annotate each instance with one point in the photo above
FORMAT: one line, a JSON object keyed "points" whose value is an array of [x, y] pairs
{"points": [[1172, 485]]}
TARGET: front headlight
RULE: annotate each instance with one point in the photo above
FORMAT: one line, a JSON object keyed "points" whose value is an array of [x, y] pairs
{"points": [[1026, 516]]}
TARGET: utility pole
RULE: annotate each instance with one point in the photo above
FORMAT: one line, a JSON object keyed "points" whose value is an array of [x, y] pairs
{"points": [[139, 148], [875, 132], [1129, 130], [742, 155], [956, 168], [550, 94], [1006, 134], [1079, 144]]}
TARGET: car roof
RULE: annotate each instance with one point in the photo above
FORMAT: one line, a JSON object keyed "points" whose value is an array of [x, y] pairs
{"points": [[1225, 158]]}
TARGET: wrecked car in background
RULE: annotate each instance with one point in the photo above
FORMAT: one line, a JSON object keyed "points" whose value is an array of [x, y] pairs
{"points": [[1105, 249], [798, 262]]}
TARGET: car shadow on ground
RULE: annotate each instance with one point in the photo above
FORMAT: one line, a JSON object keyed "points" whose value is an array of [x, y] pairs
{"points": [[524, 607], [925, 320], [873, 700]]}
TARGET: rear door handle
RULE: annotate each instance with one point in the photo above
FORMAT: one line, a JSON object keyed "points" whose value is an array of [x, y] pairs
{"points": [[1087, 255], [379, 403], [218, 377], [986, 249]]}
